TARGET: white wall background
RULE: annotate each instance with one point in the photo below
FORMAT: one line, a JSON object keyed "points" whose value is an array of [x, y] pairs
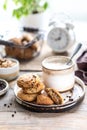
{"points": [[76, 9]]}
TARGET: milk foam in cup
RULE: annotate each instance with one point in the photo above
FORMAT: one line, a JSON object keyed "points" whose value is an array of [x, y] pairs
{"points": [[57, 74]]}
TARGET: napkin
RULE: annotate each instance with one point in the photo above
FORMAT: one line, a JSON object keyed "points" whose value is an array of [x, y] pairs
{"points": [[82, 67]]}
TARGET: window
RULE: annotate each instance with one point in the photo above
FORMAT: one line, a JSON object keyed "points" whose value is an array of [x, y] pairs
{"points": [[77, 9]]}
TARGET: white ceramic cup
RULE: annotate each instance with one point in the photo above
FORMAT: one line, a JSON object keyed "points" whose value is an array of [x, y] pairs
{"points": [[57, 74]]}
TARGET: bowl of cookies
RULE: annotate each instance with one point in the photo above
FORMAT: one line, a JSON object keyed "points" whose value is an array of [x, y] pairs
{"points": [[22, 45], [9, 68]]}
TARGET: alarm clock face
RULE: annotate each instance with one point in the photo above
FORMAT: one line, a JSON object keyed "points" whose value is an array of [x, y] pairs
{"points": [[58, 39]]}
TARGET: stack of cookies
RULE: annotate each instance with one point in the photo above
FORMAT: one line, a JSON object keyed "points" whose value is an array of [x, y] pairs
{"points": [[30, 85], [33, 89]]}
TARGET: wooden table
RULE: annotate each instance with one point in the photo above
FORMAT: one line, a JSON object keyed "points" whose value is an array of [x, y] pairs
{"points": [[74, 119]]}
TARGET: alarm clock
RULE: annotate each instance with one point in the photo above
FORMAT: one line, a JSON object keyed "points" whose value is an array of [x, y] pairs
{"points": [[61, 38]]}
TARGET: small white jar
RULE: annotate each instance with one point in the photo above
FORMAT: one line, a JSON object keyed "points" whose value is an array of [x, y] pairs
{"points": [[10, 73], [57, 74]]}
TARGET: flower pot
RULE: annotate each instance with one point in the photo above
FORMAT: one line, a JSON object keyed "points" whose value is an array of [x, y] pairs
{"points": [[38, 20]]}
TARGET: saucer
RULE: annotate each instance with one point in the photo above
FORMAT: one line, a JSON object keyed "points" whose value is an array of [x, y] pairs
{"points": [[71, 99]]}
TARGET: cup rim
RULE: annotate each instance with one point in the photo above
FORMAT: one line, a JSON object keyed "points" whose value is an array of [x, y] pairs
{"points": [[59, 69]]}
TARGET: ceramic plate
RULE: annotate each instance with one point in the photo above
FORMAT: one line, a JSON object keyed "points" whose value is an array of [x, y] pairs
{"points": [[71, 98]]}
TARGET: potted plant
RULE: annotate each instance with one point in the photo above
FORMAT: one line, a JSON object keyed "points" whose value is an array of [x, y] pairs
{"points": [[30, 12]]}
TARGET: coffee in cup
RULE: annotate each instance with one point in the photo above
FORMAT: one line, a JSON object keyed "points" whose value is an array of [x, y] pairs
{"points": [[57, 74]]}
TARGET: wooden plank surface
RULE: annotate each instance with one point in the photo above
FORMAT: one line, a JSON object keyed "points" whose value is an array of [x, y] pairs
{"points": [[74, 119]]}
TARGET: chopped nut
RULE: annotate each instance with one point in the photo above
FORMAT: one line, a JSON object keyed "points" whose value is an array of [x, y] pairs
{"points": [[4, 63]]}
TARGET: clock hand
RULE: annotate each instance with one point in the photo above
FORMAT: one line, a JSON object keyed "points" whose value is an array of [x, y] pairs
{"points": [[57, 39]]}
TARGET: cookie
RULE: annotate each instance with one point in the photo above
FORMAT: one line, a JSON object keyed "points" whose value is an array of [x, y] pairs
{"points": [[35, 88], [31, 82], [16, 40], [26, 97], [54, 95], [44, 100]]}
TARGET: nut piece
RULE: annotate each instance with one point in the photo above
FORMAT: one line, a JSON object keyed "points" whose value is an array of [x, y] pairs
{"points": [[5, 63]]}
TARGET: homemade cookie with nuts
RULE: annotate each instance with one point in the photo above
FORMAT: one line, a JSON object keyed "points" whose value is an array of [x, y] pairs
{"points": [[30, 83], [26, 97], [54, 95], [34, 89], [44, 100]]}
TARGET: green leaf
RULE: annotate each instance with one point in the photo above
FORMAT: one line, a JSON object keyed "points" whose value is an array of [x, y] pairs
{"points": [[5, 5], [25, 7], [45, 6]]}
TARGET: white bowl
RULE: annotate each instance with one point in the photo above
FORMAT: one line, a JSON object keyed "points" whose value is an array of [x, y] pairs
{"points": [[4, 90], [10, 73]]}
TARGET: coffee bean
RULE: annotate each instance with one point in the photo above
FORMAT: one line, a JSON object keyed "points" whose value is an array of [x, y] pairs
{"points": [[8, 106], [5, 105], [15, 112], [12, 115], [70, 99], [69, 96]]}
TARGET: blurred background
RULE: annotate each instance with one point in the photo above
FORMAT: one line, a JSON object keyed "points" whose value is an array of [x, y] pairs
{"points": [[76, 9]]}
